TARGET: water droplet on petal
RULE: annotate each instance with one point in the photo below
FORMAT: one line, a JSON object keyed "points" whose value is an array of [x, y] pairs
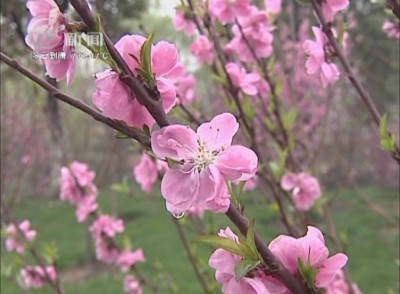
{"points": [[178, 215]]}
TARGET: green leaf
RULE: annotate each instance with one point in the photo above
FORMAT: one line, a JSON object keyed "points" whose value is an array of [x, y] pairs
{"points": [[50, 252], [127, 242], [252, 252], [145, 58], [384, 126], [244, 267], [302, 268], [239, 188], [289, 118], [219, 79], [220, 242], [121, 135], [276, 170]]}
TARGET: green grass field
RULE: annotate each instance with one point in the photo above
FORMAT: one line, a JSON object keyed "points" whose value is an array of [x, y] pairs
{"points": [[373, 240]]}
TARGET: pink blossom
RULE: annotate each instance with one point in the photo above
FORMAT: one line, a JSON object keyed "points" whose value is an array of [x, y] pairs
{"points": [[273, 6], [16, 242], [225, 262], [76, 182], [331, 7], [257, 34], [204, 50], [340, 286], [86, 207], [117, 101], [186, 90], [247, 82], [106, 250], [305, 189], [77, 187], [47, 33], [146, 172], [206, 161], [392, 29], [107, 225], [251, 184], [310, 247], [227, 10], [132, 285], [37, 277], [317, 62], [127, 259], [183, 23]]}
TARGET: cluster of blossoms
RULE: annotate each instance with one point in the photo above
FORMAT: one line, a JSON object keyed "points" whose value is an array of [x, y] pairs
{"points": [[247, 82], [318, 63], [117, 101], [78, 188], [310, 248], [104, 230], [305, 189], [16, 242], [203, 49], [32, 276], [252, 30], [35, 277], [47, 34], [206, 160]]}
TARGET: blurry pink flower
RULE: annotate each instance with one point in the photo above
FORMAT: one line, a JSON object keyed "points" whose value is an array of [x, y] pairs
{"points": [[47, 33], [331, 7], [225, 262], [146, 173], [329, 73], [251, 184], [117, 101], [107, 225], [340, 286], [257, 34], [317, 61], [310, 247], [227, 10], [305, 189], [16, 242], [77, 182], [85, 207], [204, 50], [206, 161], [273, 6], [35, 276], [392, 29], [82, 173], [26, 159], [247, 82], [106, 250], [127, 259], [132, 285], [186, 90], [183, 23]]}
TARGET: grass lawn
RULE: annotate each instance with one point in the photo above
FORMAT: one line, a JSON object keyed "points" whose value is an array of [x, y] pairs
{"points": [[373, 240]]}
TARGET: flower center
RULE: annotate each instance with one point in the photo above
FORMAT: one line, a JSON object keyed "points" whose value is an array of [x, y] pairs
{"points": [[204, 157]]}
